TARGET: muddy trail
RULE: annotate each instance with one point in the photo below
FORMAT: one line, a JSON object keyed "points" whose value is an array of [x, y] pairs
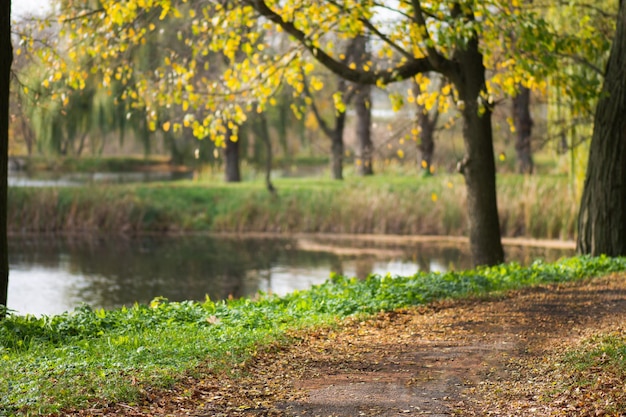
{"points": [[447, 359]]}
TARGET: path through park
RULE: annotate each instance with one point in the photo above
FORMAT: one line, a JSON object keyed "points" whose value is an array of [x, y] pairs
{"points": [[448, 359]]}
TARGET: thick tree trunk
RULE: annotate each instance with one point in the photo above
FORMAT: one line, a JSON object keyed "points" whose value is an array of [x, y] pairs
{"points": [[231, 158], [363, 109], [6, 57], [602, 216], [523, 129], [478, 166]]}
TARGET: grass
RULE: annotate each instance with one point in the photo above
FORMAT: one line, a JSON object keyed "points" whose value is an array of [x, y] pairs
{"points": [[383, 204], [85, 358], [593, 374]]}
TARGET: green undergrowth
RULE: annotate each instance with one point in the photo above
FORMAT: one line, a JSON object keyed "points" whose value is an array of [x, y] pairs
{"points": [[382, 204], [86, 357]]}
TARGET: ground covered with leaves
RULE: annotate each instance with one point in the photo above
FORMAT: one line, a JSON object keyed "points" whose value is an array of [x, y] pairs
{"points": [[557, 349]]}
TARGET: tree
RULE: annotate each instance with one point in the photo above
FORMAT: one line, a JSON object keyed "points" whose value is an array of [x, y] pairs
{"points": [[523, 128], [602, 216], [363, 110], [462, 63], [232, 172], [334, 133], [345, 93], [6, 57], [425, 126], [454, 39]]}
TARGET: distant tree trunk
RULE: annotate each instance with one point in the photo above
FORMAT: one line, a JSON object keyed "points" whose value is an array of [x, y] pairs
{"points": [[6, 57], [335, 134], [337, 147], [602, 216], [478, 165], [265, 135], [231, 158], [426, 125], [81, 144], [426, 141], [523, 128], [363, 109]]}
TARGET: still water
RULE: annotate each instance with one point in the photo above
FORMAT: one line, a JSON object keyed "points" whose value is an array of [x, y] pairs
{"points": [[53, 275], [73, 179]]}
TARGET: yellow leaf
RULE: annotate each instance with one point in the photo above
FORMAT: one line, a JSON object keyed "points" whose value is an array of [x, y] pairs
{"points": [[400, 153], [166, 126], [434, 197]]}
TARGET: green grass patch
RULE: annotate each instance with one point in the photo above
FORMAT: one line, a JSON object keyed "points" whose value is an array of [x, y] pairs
{"points": [[382, 204], [86, 357], [590, 377]]}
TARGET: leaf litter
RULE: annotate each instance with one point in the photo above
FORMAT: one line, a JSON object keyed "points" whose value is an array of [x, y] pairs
{"points": [[505, 355]]}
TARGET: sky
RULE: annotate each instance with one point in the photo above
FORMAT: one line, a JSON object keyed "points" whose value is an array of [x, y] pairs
{"points": [[21, 7]]}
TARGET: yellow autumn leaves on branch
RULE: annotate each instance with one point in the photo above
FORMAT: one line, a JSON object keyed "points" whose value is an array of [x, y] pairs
{"points": [[216, 62]]}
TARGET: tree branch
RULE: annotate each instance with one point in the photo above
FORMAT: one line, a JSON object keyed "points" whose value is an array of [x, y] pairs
{"points": [[438, 61], [402, 72], [385, 39]]}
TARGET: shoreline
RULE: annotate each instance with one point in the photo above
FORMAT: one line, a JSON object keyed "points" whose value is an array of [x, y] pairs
{"points": [[305, 237]]}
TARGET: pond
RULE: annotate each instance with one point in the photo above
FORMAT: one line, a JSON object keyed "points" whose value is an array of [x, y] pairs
{"points": [[72, 179], [52, 275]]}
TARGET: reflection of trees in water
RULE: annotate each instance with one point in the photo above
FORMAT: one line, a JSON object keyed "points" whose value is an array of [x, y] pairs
{"points": [[120, 271]]}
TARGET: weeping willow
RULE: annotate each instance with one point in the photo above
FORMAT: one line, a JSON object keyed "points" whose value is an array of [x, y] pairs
{"points": [[582, 46]]}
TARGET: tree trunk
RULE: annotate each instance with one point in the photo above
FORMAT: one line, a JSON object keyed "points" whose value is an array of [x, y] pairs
{"points": [[478, 165], [336, 161], [265, 135], [426, 142], [6, 57], [602, 216], [232, 172], [337, 148], [523, 129], [426, 124], [363, 109]]}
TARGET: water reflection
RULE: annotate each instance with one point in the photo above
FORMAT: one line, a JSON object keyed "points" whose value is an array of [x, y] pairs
{"points": [[72, 179], [52, 275]]}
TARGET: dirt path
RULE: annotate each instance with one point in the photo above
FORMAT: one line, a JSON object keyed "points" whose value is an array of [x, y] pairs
{"points": [[424, 361]]}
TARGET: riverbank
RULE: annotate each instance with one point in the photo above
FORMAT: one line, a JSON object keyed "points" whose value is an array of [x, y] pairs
{"points": [[138, 358], [382, 205]]}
